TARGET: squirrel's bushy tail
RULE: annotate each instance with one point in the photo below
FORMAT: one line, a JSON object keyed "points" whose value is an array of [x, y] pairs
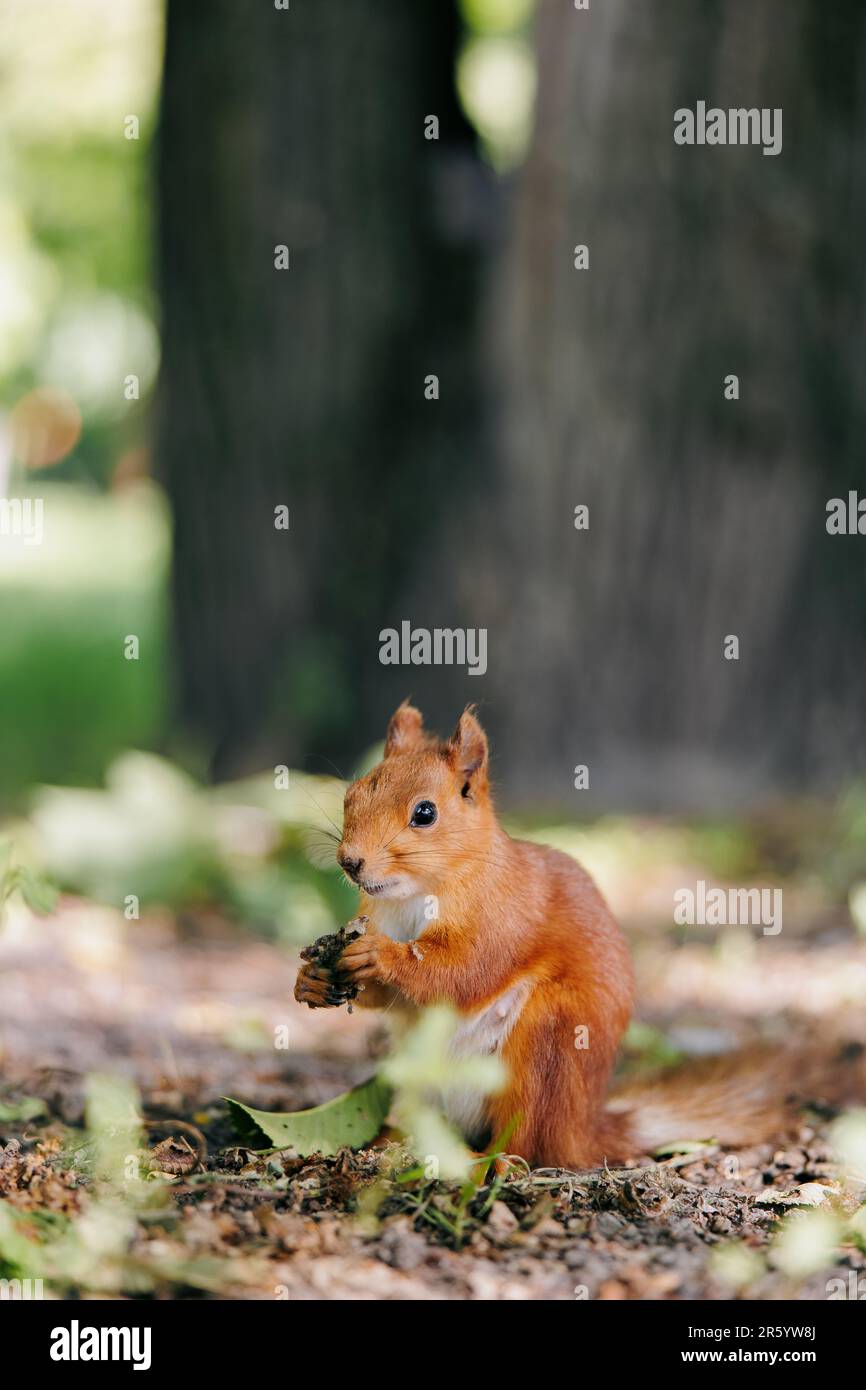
{"points": [[740, 1098]]}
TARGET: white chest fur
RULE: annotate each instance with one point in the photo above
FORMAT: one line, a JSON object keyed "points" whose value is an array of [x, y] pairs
{"points": [[480, 1035], [403, 919], [484, 1032]]}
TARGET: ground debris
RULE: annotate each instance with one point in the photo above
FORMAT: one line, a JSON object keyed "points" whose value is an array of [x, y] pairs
{"points": [[31, 1179], [234, 1223]]}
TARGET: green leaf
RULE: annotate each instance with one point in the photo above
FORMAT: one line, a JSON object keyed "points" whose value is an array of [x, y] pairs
{"points": [[27, 1108], [349, 1120], [38, 893], [683, 1146]]}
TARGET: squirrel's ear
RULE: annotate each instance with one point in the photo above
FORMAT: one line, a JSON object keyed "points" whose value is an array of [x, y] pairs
{"points": [[405, 729], [467, 752]]}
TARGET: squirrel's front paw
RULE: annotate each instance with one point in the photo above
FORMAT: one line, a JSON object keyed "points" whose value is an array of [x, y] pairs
{"points": [[371, 957], [316, 987]]}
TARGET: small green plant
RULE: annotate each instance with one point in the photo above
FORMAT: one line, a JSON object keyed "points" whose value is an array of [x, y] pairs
{"points": [[36, 890]]}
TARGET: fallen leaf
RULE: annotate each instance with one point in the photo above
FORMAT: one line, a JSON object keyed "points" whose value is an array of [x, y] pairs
{"points": [[349, 1120]]}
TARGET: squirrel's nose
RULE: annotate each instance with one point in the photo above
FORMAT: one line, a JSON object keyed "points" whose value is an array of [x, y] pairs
{"points": [[352, 866]]}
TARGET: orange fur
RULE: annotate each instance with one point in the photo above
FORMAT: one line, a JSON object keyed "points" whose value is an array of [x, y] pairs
{"points": [[485, 914]]}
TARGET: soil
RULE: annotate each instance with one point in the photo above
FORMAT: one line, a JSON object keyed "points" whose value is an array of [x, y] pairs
{"points": [[194, 1016]]}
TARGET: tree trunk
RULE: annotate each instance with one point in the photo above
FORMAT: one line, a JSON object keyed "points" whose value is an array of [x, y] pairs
{"points": [[707, 515], [305, 387]]}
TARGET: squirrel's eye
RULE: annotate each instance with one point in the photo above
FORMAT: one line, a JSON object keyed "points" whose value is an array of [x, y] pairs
{"points": [[424, 813]]}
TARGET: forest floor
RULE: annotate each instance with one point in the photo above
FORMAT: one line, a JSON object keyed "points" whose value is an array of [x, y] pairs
{"points": [[189, 1015]]}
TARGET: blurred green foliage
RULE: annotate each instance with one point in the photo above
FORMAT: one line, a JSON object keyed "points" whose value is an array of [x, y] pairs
{"points": [[246, 851], [75, 215], [496, 76], [78, 315], [69, 699], [262, 855]]}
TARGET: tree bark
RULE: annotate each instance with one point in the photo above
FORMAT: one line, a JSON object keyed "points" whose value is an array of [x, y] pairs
{"points": [[305, 387], [707, 516]]}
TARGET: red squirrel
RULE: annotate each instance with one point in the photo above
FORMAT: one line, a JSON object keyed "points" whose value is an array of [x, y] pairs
{"points": [[519, 940]]}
